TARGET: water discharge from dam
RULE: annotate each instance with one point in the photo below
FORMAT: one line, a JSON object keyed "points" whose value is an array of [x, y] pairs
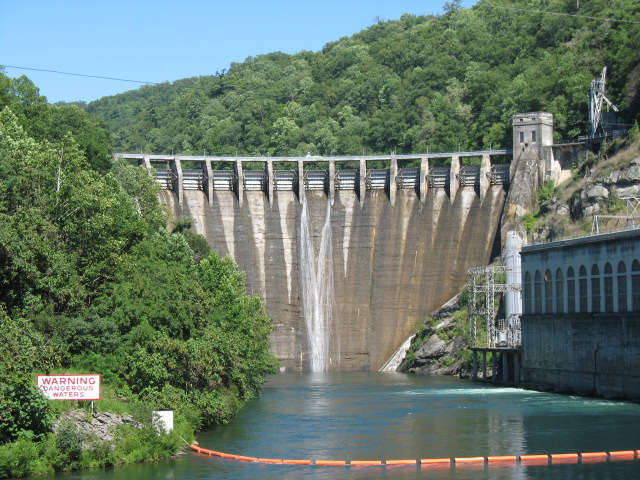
{"points": [[317, 288]]}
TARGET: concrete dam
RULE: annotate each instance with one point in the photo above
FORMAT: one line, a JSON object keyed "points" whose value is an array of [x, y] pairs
{"points": [[349, 261]]}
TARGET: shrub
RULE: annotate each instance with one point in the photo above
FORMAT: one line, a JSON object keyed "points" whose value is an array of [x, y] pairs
{"points": [[528, 221], [23, 408], [18, 459], [69, 446], [547, 192]]}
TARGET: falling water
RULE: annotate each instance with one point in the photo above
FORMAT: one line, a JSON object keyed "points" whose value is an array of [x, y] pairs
{"points": [[317, 289]]}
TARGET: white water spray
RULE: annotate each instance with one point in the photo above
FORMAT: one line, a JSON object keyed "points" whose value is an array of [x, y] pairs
{"points": [[317, 289]]}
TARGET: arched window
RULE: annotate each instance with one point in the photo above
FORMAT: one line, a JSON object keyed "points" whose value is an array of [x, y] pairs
{"points": [[608, 288], [548, 292], [635, 285], [595, 289], [559, 292], [622, 288], [527, 293], [571, 291], [582, 287], [537, 293]]}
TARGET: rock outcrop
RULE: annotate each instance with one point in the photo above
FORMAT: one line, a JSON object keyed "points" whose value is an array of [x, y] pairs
{"points": [[436, 348], [602, 191], [95, 428]]}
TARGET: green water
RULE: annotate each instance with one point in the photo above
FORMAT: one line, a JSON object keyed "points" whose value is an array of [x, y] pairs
{"points": [[381, 416]]}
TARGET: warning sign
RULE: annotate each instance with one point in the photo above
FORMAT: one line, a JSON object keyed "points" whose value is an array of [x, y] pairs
{"points": [[70, 387]]}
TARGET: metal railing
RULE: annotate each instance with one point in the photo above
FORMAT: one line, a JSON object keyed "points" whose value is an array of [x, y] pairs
{"points": [[316, 179], [377, 179], [439, 177], [346, 179], [284, 180], [469, 175], [408, 178], [165, 178], [224, 179], [193, 179], [255, 180], [500, 174]]}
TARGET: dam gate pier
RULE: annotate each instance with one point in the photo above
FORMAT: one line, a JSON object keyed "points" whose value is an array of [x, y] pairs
{"points": [[450, 171]]}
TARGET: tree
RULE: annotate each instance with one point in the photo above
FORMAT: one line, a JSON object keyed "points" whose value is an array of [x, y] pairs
{"points": [[23, 408]]}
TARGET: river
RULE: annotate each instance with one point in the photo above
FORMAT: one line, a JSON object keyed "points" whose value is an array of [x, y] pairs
{"points": [[382, 416]]}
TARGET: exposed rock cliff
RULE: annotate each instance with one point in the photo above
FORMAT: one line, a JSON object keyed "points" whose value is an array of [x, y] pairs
{"points": [[438, 348], [600, 186]]}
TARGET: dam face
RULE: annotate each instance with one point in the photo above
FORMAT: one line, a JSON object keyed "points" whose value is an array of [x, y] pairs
{"points": [[392, 262]]}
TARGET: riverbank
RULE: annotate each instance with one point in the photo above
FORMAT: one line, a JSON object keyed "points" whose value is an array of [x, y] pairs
{"points": [[82, 440]]}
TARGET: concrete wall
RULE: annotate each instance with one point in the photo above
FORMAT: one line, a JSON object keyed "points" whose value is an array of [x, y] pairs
{"points": [[572, 346], [593, 354], [392, 264]]}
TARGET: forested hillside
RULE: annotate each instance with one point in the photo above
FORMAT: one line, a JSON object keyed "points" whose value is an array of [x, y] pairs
{"points": [[442, 83], [91, 281]]}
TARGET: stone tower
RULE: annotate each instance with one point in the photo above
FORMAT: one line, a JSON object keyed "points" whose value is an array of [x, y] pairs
{"points": [[532, 164], [533, 136]]}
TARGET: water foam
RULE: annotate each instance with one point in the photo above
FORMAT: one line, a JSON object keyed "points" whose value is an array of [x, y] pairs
{"points": [[317, 289]]}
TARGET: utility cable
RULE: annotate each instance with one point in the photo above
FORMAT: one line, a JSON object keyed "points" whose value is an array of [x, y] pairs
{"points": [[275, 97], [79, 74]]}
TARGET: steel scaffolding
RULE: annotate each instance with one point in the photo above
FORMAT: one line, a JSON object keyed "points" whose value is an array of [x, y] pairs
{"points": [[485, 292]]}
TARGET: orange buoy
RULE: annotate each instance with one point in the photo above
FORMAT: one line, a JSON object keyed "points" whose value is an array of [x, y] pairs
{"points": [[366, 462], [401, 462], [427, 461], [469, 460], [564, 457], [246, 459], [331, 462], [587, 457], [502, 458], [593, 457], [534, 458]]}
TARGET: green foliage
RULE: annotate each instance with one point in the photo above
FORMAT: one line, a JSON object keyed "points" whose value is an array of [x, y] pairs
{"points": [[547, 192], [440, 83], [69, 445], [528, 221], [23, 409], [147, 441], [613, 205], [92, 281], [20, 458], [634, 132]]}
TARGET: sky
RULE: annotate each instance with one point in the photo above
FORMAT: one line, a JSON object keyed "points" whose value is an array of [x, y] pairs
{"points": [[166, 40]]}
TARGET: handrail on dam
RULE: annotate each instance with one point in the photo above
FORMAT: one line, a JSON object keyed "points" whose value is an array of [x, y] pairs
{"points": [[436, 170]]}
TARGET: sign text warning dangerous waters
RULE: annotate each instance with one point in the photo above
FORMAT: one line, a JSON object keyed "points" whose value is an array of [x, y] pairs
{"points": [[70, 387]]}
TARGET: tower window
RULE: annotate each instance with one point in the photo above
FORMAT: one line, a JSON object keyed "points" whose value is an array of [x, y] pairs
{"points": [[533, 136], [521, 137]]}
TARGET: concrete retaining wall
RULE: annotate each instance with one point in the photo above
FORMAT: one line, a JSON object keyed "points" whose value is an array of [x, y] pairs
{"points": [[592, 354]]}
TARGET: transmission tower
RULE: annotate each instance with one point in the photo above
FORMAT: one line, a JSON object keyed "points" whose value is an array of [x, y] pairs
{"points": [[596, 98]]}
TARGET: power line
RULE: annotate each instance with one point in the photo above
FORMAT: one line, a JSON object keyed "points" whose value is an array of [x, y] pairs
{"points": [[610, 19], [307, 99], [81, 75]]}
